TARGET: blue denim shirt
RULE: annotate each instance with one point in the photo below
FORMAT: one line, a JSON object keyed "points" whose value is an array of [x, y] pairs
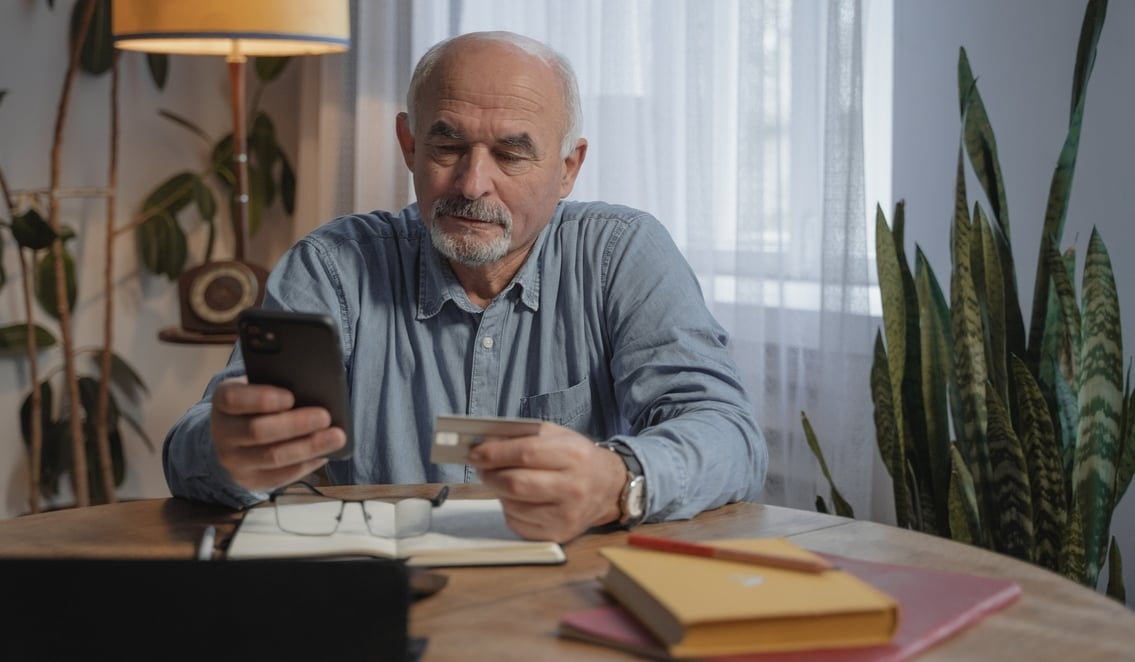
{"points": [[603, 330]]}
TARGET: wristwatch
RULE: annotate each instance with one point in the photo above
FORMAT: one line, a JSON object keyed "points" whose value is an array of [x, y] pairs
{"points": [[632, 500]]}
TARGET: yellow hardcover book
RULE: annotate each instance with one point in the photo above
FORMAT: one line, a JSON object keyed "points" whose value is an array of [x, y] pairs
{"points": [[700, 606]]}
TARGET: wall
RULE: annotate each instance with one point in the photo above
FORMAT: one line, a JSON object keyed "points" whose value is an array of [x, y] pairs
{"points": [[33, 56], [1022, 53]]}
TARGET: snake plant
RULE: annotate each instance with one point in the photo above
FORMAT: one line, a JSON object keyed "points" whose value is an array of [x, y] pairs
{"points": [[1020, 443]]}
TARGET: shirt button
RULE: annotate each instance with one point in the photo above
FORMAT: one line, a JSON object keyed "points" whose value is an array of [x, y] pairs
{"points": [[487, 342]]}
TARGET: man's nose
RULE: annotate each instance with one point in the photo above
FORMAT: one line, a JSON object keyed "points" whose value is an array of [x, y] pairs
{"points": [[475, 176]]}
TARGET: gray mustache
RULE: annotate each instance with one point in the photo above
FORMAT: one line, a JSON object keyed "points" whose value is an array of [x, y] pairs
{"points": [[476, 209]]}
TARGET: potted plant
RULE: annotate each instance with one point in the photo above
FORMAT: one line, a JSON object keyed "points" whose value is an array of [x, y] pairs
{"points": [[1020, 443]]}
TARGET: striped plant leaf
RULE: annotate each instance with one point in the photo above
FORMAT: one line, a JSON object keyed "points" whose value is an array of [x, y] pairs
{"points": [[969, 354], [965, 519], [1070, 321], [1061, 185], [887, 435], [1101, 402], [937, 379], [991, 295], [892, 290], [913, 412], [1068, 421], [1045, 467], [842, 507], [980, 143], [1125, 467], [1012, 516], [1073, 563]]}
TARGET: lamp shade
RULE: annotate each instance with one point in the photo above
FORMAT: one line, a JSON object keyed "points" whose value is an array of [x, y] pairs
{"points": [[228, 27]]}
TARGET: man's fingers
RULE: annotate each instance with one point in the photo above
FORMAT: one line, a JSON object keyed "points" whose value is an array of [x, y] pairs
{"points": [[237, 397], [537, 452], [270, 428]]}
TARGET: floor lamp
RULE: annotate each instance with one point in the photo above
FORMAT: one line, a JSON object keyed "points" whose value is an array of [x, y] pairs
{"points": [[214, 293]]}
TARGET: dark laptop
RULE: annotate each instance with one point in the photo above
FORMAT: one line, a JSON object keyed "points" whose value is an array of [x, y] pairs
{"points": [[87, 609]]}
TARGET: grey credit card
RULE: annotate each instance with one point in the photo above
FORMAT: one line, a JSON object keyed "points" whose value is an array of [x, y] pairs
{"points": [[455, 435]]}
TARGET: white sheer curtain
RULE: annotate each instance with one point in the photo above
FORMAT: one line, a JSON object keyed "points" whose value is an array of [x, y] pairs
{"points": [[739, 124]]}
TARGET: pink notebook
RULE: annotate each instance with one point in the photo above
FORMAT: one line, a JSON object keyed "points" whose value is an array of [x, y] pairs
{"points": [[934, 605]]}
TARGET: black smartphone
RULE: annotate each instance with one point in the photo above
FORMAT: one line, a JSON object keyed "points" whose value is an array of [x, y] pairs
{"points": [[299, 352]]}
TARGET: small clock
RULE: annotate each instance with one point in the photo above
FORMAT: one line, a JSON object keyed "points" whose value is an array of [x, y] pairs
{"points": [[214, 293]]}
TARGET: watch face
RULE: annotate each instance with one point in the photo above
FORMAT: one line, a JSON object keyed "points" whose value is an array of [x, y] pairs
{"points": [[219, 294], [636, 498]]}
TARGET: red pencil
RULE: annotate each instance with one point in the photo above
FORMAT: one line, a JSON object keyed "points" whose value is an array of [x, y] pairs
{"points": [[756, 558]]}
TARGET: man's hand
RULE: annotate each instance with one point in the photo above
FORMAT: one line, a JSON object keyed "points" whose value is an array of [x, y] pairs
{"points": [[554, 485], [262, 441]]}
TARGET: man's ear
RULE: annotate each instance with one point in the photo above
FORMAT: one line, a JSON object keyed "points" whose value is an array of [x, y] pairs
{"points": [[572, 163], [405, 138]]}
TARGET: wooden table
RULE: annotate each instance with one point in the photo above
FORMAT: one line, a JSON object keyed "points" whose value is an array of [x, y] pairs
{"points": [[511, 613]]}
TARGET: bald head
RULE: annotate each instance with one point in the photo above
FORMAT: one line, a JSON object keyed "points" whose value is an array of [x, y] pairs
{"points": [[557, 65]]}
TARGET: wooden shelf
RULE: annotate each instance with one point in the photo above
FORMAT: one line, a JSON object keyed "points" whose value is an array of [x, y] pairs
{"points": [[178, 335]]}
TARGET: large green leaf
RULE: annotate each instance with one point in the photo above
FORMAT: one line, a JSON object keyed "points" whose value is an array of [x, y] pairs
{"points": [[45, 292], [842, 507], [1101, 402], [14, 338], [1065, 292], [1012, 520], [1090, 28], [1045, 467], [890, 273], [287, 185], [172, 195]]}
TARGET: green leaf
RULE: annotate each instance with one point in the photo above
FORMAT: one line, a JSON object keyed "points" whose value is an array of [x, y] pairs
{"points": [[888, 439], [186, 124], [1126, 465], [970, 367], [1010, 489], [1073, 564], [262, 142], [206, 201], [937, 361], [1045, 467], [14, 338], [172, 195], [163, 246], [269, 68], [1090, 29], [222, 161], [257, 194], [45, 283], [965, 518], [1101, 403], [842, 507], [991, 298], [287, 185], [158, 64], [2, 93], [124, 376], [97, 54], [821, 507], [3, 273], [980, 144], [31, 231], [890, 273]]}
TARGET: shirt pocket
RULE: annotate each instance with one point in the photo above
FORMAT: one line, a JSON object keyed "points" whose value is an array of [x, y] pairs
{"points": [[570, 407]]}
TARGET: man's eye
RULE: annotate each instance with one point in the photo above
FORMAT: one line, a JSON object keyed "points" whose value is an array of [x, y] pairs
{"points": [[508, 157]]}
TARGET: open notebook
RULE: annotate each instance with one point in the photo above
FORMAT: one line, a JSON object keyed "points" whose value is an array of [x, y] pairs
{"points": [[463, 532]]}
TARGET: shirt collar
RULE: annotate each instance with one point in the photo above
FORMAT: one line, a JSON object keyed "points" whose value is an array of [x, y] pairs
{"points": [[437, 283]]}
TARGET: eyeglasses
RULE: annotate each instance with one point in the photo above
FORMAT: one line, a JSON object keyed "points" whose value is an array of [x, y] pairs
{"points": [[304, 510]]}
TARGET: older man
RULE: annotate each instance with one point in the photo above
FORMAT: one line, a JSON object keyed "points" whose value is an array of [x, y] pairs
{"points": [[493, 296]]}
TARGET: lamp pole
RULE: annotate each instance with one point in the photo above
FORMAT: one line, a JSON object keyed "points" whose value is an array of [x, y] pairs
{"points": [[236, 61]]}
